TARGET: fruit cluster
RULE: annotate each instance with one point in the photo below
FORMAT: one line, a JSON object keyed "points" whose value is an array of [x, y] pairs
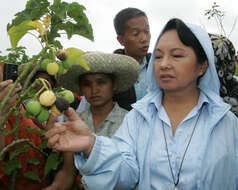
{"points": [[57, 67], [49, 101]]}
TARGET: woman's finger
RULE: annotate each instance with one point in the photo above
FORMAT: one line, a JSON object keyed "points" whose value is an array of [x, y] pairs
{"points": [[57, 129], [53, 140]]}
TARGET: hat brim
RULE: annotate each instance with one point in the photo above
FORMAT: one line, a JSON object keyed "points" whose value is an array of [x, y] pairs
{"points": [[125, 69]]}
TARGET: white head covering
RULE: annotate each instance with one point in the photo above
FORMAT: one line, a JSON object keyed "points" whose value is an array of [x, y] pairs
{"points": [[208, 81]]}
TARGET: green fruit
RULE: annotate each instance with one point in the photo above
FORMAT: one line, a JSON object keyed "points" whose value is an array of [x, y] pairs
{"points": [[61, 68], [47, 98], [44, 63], [68, 95], [52, 68], [67, 63], [43, 115], [33, 107]]}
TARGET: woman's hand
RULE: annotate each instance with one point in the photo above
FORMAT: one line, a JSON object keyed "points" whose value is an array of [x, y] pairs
{"points": [[4, 89], [73, 135]]}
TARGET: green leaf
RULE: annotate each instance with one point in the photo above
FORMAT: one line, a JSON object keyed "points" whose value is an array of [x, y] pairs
{"points": [[81, 25], [34, 130], [18, 151], [33, 161], [27, 114], [59, 9], [75, 55], [43, 145], [32, 175], [34, 10], [11, 166], [8, 132], [17, 32], [53, 161]]}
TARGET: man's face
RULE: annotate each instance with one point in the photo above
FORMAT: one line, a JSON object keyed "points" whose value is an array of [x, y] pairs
{"points": [[136, 38]]}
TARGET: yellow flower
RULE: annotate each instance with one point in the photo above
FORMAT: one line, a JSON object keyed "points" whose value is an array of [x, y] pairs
{"points": [[46, 21], [37, 25]]}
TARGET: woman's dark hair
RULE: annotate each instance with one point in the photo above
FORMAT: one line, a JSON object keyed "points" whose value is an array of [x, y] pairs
{"points": [[186, 37], [123, 16], [52, 78], [111, 76]]}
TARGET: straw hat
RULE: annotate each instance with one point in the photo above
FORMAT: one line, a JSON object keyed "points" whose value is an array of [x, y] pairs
{"points": [[126, 70]]}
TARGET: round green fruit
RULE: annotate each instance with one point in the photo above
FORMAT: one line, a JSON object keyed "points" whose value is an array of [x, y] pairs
{"points": [[61, 68], [52, 68], [68, 95], [33, 107], [43, 115], [45, 63], [67, 63]]}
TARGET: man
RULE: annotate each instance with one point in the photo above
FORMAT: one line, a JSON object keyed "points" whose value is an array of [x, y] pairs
{"points": [[133, 33]]}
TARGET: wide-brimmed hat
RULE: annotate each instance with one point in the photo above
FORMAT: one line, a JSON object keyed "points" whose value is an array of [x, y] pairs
{"points": [[125, 69]]}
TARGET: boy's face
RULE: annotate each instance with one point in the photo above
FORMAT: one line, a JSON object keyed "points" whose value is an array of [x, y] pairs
{"points": [[136, 38]]}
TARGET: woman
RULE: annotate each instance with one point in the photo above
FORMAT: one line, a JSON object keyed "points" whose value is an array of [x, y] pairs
{"points": [[25, 166], [181, 135], [108, 74]]}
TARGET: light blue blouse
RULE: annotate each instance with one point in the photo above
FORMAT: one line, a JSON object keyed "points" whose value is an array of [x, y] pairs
{"points": [[136, 155]]}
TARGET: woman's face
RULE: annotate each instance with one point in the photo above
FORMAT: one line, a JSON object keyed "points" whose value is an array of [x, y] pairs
{"points": [[175, 66], [97, 88]]}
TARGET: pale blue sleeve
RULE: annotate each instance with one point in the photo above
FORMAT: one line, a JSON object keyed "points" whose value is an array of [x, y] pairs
{"points": [[236, 143], [112, 162]]}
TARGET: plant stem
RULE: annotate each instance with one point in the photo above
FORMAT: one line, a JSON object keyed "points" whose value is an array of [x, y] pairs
{"points": [[5, 149], [16, 136], [36, 38], [21, 98]]}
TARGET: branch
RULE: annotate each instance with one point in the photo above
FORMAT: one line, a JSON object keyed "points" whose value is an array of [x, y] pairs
{"points": [[21, 97], [233, 26], [5, 149]]}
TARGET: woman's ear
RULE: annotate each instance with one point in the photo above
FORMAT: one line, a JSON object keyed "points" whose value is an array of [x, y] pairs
{"points": [[203, 68]]}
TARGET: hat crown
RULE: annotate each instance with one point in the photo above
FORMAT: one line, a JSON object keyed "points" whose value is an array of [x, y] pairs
{"points": [[126, 70]]}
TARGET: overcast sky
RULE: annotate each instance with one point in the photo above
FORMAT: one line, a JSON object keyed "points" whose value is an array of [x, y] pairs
{"points": [[102, 12]]}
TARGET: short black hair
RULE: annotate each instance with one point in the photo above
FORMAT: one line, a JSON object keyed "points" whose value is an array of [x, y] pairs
{"points": [[186, 37], [123, 16]]}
